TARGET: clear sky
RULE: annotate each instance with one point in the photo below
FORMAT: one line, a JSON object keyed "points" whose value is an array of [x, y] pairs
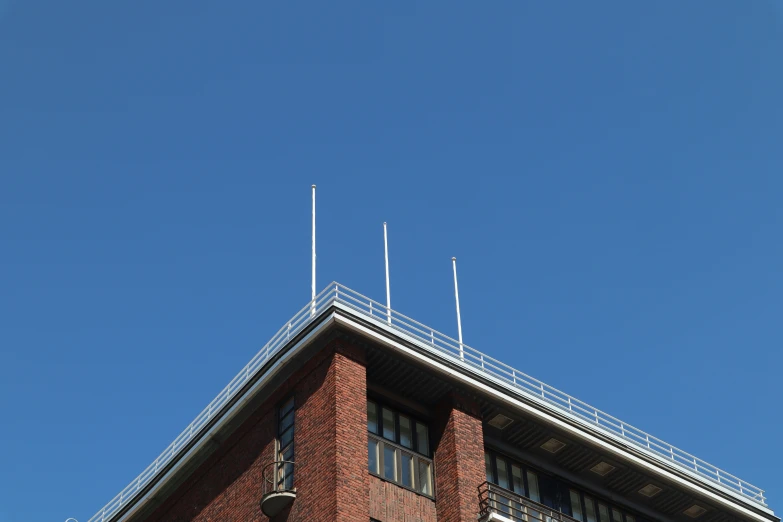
{"points": [[608, 174]]}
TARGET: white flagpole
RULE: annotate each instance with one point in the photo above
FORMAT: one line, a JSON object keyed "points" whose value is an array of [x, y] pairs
{"points": [[312, 308], [388, 295], [456, 297]]}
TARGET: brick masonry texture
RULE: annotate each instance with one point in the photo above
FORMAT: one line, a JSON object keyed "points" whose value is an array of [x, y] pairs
{"points": [[391, 503], [330, 441], [459, 459]]}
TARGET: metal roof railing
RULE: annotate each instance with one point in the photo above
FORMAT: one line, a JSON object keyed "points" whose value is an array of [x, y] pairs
{"points": [[456, 352]]}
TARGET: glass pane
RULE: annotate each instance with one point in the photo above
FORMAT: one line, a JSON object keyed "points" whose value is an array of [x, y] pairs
{"points": [[407, 470], [286, 407], [629, 518], [287, 453], [603, 513], [532, 486], [590, 510], [425, 477], [422, 439], [616, 515], [372, 455], [388, 424], [516, 479], [389, 462], [372, 417], [286, 437], [406, 436], [502, 473], [488, 467], [286, 422], [576, 505]]}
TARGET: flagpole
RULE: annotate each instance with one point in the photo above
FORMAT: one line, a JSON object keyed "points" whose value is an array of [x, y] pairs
{"points": [[312, 298], [386, 253], [456, 298]]}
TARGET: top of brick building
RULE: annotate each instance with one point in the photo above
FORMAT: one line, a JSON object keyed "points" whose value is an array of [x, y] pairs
{"points": [[338, 305]]}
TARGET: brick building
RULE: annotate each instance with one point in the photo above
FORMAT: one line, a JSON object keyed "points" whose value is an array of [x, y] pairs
{"points": [[355, 413]]}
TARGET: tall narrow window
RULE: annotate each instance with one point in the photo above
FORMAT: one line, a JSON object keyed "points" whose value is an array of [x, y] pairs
{"points": [[590, 510], [388, 424], [285, 445], [603, 512], [616, 515], [488, 466], [422, 439], [532, 486], [372, 417], [406, 435], [576, 505], [502, 473]]}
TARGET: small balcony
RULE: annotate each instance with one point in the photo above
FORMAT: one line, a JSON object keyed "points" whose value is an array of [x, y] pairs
{"points": [[279, 490], [501, 505]]}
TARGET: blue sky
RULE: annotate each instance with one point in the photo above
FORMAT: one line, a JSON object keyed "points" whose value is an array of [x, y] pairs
{"points": [[608, 175]]}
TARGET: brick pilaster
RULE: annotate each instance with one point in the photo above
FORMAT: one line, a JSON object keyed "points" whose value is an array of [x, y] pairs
{"points": [[459, 460]]}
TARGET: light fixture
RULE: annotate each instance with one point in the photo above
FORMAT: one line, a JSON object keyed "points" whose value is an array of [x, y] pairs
{"points": [[650, 490], [602, 468], [553, 445], [695, 511], [500, 421]]}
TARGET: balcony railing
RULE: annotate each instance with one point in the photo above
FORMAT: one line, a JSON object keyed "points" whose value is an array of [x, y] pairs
{"points": [[494, 499], [456, 352], [279, 491]]}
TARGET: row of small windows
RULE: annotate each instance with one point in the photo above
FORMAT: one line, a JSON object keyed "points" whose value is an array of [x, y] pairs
{"points": [[398, 447], [549, 491], [398, 428]]}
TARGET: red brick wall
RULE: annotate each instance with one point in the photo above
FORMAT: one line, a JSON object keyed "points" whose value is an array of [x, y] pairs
{"points": [[392, 503], [459, 459], [330, 451]]}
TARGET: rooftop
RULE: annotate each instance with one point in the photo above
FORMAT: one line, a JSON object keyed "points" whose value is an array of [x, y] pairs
{"points": [[461, 356]]}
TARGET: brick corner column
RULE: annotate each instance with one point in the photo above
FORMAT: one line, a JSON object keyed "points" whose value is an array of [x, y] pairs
{"points": [[352, 486], [459, 459]]}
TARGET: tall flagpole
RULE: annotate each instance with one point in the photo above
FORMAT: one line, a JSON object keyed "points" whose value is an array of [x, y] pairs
{"points": [[388, 295], [456, 297], [312, 299]]}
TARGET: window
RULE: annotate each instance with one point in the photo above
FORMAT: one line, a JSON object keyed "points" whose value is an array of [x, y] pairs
{"points": [[590, 509], [576, 505], [398, 448], [547, 490], [285, 445], [603, 512]]}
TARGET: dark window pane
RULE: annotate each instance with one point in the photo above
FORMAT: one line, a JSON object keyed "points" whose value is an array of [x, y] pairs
{"points": [[590, 510], [425, 477], [406, 436], [372, 455], [422, 439], [389, 462], [286, 407], [576, 505], [407, 470], [286, 437], [372, 417], [517, 481], [286, 422], [488, 467], [603, 513], [502, 473], [388, 424]]}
